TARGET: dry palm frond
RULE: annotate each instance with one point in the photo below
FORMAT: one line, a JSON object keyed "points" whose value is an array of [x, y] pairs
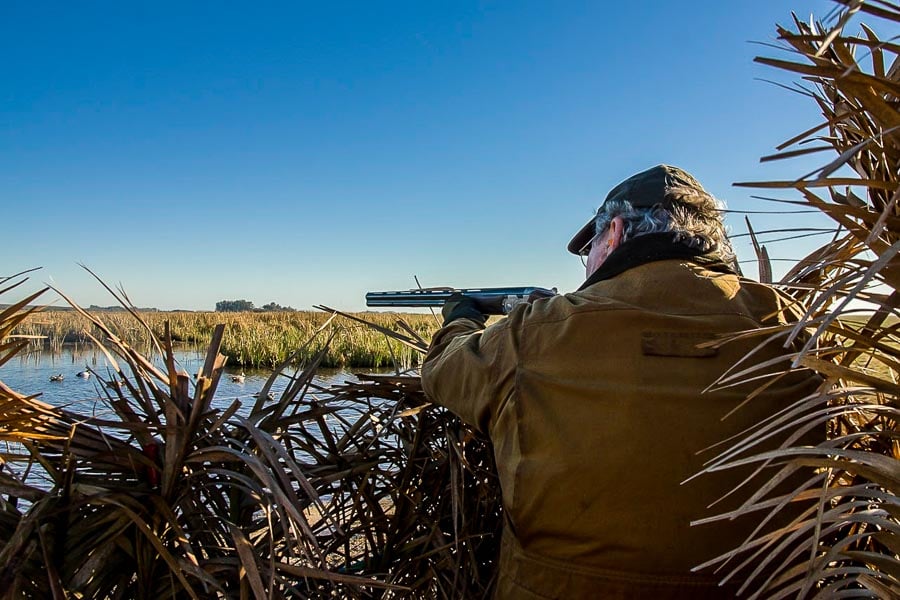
{"points": [[837, 533]]}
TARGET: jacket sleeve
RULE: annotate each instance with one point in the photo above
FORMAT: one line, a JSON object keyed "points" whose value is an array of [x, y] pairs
{"points": [[470, 370]]}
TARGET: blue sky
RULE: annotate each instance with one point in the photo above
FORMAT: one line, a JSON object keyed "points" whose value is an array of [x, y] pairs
{"points": [[305, 153]]}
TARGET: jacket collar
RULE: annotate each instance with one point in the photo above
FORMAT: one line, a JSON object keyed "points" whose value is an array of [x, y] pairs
{"points": [[649, 248]]}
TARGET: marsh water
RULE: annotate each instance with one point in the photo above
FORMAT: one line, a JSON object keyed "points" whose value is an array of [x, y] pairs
{"points": [[54, 375]]}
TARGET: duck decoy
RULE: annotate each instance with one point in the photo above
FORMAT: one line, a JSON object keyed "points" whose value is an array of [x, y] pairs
{"points": [[238, 378], [57, 377], [83, 374]]}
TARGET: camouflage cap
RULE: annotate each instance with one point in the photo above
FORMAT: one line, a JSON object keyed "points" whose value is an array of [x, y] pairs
{"points": [[643, 190]]}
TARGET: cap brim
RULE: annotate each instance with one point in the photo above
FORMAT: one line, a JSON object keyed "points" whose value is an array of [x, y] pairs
{"points": [[581, 239]]}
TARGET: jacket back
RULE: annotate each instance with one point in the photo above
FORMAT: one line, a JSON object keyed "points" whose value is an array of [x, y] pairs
{"points": [[598, 406]]}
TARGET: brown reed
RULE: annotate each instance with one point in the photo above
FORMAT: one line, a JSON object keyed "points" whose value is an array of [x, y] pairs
{"points": [[357, 491], [846, 540]]}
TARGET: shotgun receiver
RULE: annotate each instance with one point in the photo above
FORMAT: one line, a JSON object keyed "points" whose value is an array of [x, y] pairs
{"points": [[493, 301]]}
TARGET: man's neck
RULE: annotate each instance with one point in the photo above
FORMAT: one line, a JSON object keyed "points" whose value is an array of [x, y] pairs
{"points": [[644, 249]]}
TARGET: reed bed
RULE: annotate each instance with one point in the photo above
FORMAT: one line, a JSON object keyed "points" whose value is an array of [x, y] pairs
{"points": [[252, 339], [362, 490]]}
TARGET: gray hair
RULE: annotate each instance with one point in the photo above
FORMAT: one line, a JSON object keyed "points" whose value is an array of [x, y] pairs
{"points": [[695, 219]]}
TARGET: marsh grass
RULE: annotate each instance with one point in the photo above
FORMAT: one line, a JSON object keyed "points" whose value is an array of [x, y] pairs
{"points": [[251, 339]]}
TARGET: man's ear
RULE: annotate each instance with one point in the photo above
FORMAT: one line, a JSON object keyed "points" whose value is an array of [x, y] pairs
{"points": [[616, 231]]}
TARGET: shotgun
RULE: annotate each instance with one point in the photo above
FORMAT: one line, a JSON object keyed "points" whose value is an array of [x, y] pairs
{"points": [[492, 301]]}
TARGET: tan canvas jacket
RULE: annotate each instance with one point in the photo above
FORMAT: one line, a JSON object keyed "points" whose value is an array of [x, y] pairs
{"points": [[594, 402]]}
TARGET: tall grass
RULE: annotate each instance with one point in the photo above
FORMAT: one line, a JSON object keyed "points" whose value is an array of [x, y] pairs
{"points": [[251, 339]]}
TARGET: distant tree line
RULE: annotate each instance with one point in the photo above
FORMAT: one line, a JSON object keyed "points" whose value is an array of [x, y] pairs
{"points": [[117, 308], [246, 305]]}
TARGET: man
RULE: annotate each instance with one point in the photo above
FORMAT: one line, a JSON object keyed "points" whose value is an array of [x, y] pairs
{"points": [[597, 404]]}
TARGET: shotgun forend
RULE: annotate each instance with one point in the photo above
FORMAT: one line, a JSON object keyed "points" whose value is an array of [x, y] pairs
{"points": [[498, 300]]}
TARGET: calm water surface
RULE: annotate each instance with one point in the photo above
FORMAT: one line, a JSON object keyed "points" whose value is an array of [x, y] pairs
{"points": [[30, 373]]}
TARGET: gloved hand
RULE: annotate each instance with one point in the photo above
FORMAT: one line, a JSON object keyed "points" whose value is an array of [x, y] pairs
{"points": [[459, 306]]}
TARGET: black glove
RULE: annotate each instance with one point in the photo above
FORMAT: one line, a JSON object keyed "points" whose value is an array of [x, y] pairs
{"points": [[459, 306]]}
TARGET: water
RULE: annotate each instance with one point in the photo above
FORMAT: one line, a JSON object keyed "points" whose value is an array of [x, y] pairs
{"points": [[31, 372]]}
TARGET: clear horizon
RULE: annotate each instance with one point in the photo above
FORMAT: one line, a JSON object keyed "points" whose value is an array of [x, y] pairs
{"points": [[305, 154]]}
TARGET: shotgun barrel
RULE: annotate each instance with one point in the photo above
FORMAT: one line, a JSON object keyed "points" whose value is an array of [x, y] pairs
{"points": [[500, 298]]}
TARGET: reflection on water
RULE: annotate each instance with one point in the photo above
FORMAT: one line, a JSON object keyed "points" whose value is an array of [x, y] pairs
{"points": [[54, 375]]}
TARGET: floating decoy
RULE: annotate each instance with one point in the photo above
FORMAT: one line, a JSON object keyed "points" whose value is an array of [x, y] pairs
{"points": [[238, 378], [83, 374], [58, 377]]}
